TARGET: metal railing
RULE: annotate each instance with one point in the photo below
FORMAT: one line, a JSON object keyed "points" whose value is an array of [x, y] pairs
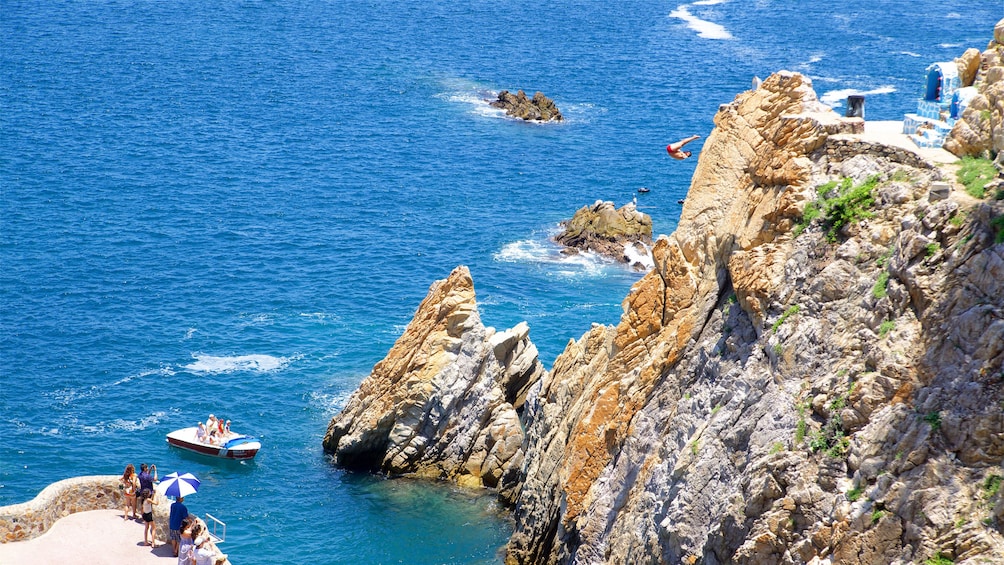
{"points": [[214, 524]]}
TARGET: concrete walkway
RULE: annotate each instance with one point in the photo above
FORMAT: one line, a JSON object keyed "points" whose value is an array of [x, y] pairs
{"points": [[891, 133], [97, 537]]}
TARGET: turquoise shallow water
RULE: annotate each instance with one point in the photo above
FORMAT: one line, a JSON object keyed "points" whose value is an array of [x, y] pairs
{"points": [[236, 207]]}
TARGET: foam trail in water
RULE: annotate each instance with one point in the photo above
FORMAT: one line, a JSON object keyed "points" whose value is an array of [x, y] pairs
{"points": [[835, 98], [213, 364], [135, 425], [583, 263], [704, 28]]}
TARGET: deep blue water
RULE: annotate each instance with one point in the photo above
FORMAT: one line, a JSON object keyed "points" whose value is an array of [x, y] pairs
{"points": [[235, 207]]}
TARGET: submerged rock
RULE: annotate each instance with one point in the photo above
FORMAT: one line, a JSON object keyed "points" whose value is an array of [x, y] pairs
{"points": [[609, 231], [540, 108]]}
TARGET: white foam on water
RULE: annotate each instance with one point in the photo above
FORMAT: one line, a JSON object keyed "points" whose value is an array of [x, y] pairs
{"points": [[637, 257], [949, 45], [835, 98], [163, 371], [322, 317], [553, 261], [135, 425], [190, 333], [908, 53], [213, 364], [478, 102], [478, 99], [704, 28], [805, 66], [710, 2], [258, 319], [330, 404]]}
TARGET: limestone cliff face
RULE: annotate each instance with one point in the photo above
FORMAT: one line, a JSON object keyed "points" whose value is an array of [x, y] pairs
{"points": [[751, 389], [778, 390], [443, 403]]}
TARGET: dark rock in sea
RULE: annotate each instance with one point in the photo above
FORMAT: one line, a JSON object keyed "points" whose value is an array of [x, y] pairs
{"points": [[604, 229], [540, 108]]}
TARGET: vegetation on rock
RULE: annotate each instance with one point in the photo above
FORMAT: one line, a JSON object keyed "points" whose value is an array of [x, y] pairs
{"points": [[974, 173]]}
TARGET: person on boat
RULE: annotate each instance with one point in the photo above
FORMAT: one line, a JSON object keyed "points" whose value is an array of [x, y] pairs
{"points": [[675, 150], [128, 486], [149, 530], [212, 428], [226, 430], [200, 433], [179, 513]]}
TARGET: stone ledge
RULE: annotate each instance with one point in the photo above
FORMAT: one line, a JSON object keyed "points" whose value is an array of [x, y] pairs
{"points": [[28, 520]]}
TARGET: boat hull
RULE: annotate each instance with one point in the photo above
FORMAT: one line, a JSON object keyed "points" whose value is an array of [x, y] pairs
{"points": [[238, 448]]}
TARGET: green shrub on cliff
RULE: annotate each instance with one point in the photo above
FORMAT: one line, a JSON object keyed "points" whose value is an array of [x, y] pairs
{"points": [[938, 559], [881, 285], [789, 312], [852, 203], [848, 204], [974, 174]]}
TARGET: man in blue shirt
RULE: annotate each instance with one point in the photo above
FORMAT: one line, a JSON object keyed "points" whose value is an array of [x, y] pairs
{"points": [[178, 513], [145, 480]]}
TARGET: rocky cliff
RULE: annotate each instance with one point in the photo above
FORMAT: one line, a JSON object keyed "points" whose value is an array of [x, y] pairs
{"points": [[812, 372], [980, 129], [443, 403]]}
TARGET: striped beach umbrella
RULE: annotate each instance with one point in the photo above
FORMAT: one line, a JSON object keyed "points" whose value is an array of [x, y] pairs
{"points": [[178, 485]]}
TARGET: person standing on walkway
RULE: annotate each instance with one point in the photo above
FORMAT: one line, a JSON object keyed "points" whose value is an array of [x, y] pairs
{"points": [[179, 513], [186, 545], [149, 529], [128, 485], [146, 481]]}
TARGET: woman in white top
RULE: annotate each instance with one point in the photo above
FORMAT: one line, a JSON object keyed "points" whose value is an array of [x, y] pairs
{"points": [[149, 527], [186, 546]]}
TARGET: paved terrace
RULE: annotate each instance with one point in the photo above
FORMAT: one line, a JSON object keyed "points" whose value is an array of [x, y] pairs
{"points": [[96, 537], [891, 133]]}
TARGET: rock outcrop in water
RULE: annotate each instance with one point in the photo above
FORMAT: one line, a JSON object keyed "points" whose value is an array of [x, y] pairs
{"points": [[980, 129], [812, 372], [540, 108], [444, 403], [609, 231]]}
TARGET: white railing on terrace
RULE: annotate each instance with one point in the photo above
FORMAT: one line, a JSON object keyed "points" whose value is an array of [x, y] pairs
{"points": [[214, 525]]}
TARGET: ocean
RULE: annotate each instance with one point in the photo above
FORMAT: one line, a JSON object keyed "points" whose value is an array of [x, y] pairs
{"points": [[236, 208]]}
